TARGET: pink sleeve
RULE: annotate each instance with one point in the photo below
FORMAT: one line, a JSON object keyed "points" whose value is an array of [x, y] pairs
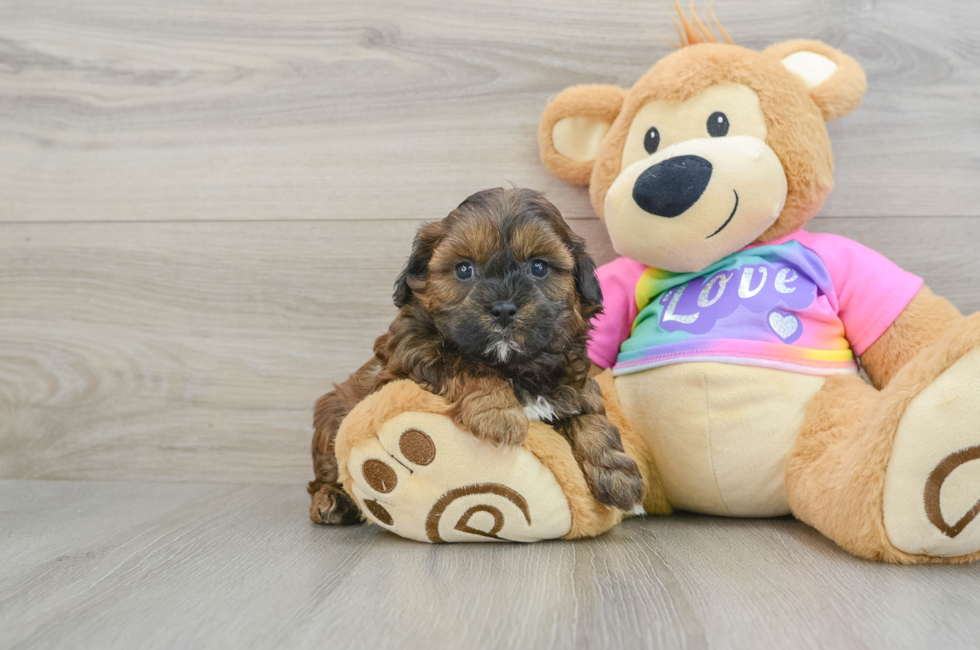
{"points": [[613, 326], [871, 289]]}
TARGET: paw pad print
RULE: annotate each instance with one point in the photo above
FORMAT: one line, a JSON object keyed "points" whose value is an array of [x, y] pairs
{"points": [[427, 480], [933, 492], [932, 486]]}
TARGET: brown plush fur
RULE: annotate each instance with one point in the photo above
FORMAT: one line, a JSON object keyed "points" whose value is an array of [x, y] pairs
{"points": [[795, 127], [446, 339], [923, 322], [364, 423], [589, 517], [835, 474], [794, 117], [840, 94], [600, 103]]}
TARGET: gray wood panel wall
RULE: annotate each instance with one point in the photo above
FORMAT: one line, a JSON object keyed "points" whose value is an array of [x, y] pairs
{"points": [[203, 204]]}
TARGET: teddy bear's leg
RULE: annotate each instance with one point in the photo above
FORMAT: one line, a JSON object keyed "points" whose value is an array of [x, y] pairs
{"points": [[654, 495], [413, 472], [895, 475]]}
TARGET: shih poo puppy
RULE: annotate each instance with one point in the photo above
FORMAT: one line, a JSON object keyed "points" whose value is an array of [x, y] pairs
{"points": [[495, 305]]}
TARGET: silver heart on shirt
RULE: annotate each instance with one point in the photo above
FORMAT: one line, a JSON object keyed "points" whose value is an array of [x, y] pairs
{"points": [[784, 326]]}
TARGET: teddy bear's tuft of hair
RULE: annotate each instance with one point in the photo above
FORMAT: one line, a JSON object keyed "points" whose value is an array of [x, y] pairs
{"points": [[693, 32]]}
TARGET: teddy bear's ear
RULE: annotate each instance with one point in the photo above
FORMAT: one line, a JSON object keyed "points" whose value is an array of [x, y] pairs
{"points": [[835, 81], [573, 126]]}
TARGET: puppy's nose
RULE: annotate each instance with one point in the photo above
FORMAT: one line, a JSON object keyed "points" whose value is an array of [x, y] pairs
{"points": [[503, 313], [670, 187]]}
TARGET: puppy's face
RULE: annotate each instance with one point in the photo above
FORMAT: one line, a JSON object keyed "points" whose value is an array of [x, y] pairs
{"points": [[504, 277]]}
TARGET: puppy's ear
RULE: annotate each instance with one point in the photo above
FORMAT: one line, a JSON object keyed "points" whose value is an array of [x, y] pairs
{"points": [[586, 282], [414, 274]]}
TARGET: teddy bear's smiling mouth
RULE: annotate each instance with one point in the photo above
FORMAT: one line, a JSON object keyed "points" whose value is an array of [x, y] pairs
{"points": [[728, 220]]}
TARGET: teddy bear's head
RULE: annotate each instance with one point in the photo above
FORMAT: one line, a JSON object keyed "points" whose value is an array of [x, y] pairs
{"points": [[714, 148]]}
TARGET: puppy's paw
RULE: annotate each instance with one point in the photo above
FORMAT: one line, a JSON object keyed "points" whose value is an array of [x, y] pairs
{"points": [[331, 505], [498, 427], [615, 479]]}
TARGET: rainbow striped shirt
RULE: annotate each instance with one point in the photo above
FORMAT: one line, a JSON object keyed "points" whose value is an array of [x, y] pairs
{"points": [[807, 303]]}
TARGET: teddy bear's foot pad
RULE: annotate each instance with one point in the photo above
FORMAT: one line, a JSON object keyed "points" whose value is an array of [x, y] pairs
{"points": [[427, 480], [932, 486]]}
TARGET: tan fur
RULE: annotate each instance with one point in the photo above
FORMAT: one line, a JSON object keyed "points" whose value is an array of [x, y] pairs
{"points": [[923, 322], [364, 423], [795, 128], [601, 103], [794, 117], [840, 94], [589, 517], [836, 472]]}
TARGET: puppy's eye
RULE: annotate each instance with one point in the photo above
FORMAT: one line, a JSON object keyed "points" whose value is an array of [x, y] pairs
{"points": [[539, 268], [464, 271], [718, 124], [651, 141]]}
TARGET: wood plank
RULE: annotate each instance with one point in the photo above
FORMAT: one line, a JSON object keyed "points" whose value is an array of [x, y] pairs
{"points": [[377, 109], [126, 565], [194, 351]]}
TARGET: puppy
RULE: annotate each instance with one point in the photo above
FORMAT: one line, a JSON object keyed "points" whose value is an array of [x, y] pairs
{"points": [[495, 306]]}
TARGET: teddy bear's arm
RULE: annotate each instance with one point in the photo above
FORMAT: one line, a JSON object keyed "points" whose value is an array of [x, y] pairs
{"points": [[923, 321]]}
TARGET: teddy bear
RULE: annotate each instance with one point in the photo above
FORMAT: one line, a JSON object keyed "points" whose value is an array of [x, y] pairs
{"points": [[731, 341]]}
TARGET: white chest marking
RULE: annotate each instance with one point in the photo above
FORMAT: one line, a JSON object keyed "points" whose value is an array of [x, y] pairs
{"points": [[539, 409], [502, 349]]}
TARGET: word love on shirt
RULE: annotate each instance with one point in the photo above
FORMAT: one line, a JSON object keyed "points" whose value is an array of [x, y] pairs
{"points": [[696, 306]]}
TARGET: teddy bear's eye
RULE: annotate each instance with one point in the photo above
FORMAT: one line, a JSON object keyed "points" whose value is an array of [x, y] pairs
{"points": [[652, 140], [718, 124]]}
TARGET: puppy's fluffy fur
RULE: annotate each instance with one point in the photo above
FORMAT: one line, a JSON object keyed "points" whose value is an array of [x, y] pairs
{"points": [[494, 314]]}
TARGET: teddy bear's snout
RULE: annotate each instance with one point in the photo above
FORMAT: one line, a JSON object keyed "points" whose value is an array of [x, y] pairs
{"points": [[672, 186]]}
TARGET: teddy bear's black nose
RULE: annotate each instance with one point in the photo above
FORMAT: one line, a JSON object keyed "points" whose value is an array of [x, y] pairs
{"points": [[672, 186]]}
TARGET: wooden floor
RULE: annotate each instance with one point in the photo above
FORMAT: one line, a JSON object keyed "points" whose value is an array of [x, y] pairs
{"points": [[142, 565], [203, 206]]}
